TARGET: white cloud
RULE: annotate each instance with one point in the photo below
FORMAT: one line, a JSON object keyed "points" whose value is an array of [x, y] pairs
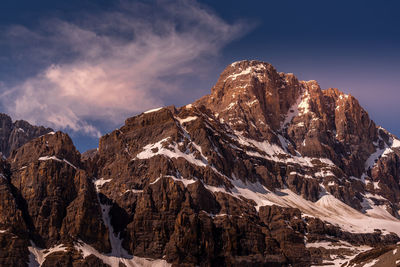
{"points": [[117, 62]]}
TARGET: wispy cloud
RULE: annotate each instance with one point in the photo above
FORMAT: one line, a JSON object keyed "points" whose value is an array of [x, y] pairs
{"points": [[109, 65]]}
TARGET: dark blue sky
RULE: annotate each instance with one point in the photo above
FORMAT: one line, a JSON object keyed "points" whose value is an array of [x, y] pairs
{"points": [[351, 45]]}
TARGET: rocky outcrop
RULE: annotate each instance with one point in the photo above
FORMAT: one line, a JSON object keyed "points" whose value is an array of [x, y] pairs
{"points": [[43, 173], [11, 217], [13, 229], [47, 200], [253, 98], [15, 134], [83, 219]]}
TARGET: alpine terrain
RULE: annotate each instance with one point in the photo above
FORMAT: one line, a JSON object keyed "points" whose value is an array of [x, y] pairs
{"points": [[266, 170]]}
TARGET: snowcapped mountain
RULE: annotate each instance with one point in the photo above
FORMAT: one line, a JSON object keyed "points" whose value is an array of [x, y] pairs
{"points": [[267, 170]]}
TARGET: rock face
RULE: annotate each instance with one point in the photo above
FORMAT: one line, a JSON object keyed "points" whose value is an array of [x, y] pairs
{"points": [[48, 199], [267, 170], [15, 134]]}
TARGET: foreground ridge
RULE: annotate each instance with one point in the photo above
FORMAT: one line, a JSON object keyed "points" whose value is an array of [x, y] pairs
{"points": [[266, 170]]}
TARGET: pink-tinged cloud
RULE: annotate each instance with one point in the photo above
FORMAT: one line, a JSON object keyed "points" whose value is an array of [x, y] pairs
{"points": [[113, 75]]}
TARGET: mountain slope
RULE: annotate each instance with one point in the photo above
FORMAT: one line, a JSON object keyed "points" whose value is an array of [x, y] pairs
{"points": [[15, 134], [266, 170]]}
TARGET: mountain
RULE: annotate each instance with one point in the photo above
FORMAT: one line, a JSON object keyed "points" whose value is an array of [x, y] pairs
{"points": [[14, 134], [267, 170]]}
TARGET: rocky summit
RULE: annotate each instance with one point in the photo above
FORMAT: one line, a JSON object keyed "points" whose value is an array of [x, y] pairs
{"points": [[15, 134], [266, 170]]}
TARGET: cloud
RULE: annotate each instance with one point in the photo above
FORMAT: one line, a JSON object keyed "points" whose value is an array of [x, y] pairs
{"points": [[107, 66]]}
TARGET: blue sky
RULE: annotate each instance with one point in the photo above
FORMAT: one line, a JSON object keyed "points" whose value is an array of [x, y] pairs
{"points": [[85, 66]]}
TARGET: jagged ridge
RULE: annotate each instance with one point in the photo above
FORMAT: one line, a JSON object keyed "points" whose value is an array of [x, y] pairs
{"points": [[266, 170]]}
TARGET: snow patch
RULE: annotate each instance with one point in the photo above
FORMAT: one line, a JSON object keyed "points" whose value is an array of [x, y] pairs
{"points": [[118, 253], [185, 182], [37, 255], [243, 72], [155, 181], [284, 142], [114, 261], [115, 241], [373, 158], [371, 263], [377, 211], [337, 245], [100, 182], [177, 178], [135, 191], [376, 185], [293, 112], [304, 106], [338, 260], [327, 208], [276, 153], [152, 110], [50, 158], [395, 143], [231, 105], [381, 152], [171, 151], [324, 173], [250, 104], [45, 158], [248, 70], [187, 119]]}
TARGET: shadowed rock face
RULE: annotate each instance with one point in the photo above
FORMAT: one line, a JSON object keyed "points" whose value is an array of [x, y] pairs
{"points": [[14, 135], [267, 170], [48, 198]]}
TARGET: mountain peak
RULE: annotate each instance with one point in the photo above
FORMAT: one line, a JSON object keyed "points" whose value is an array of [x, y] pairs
{"points": [[14, 134], [244, 71], [265, 105], [253, 95], [277, 165]]}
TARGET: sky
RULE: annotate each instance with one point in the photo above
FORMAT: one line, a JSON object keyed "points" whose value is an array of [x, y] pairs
{"points": [[84, 66]]}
